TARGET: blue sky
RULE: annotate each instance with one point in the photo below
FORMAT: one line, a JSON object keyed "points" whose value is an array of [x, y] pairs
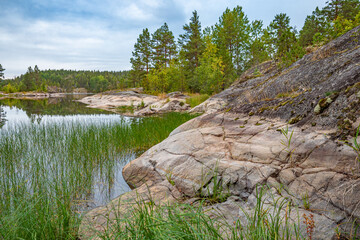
{"points": [[100, 34]]}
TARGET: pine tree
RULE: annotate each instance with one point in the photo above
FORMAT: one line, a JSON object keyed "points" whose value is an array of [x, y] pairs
{"points": [[283, 41], [164, 47], [258, 51], [232, 35], [191, 46], [348, 9], [141, 58], [336, 18], [28, 81], [281, 35], [1, 71]]}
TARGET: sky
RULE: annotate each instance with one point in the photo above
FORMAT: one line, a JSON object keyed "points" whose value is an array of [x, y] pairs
{"points": [[100, 34]]}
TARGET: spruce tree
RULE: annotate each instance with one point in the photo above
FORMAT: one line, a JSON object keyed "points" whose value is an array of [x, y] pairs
{"points": [[1, 71], [191, 46]]}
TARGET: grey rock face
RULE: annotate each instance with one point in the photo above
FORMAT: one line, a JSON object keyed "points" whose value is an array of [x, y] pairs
{"points": [[313, 170]]}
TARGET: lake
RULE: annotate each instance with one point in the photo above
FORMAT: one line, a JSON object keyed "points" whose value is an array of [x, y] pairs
{"points": [[59, 158], [27, 114]]}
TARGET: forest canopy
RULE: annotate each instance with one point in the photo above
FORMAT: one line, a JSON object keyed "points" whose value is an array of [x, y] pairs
{"points": [[203, 60]]}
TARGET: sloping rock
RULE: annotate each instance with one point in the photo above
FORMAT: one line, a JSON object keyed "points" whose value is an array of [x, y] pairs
{"points": [[264, 131]]}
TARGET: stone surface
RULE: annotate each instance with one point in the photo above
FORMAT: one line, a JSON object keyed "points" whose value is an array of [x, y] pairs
{"points": [[142, 104], [317, 173]]}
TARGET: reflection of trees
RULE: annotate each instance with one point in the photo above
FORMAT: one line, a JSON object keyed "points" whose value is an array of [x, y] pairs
{"points": [[35, 109], [35, 117], [2, 117]]}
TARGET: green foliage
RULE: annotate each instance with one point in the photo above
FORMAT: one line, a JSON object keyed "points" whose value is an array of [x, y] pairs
{"points": [[125, 109], [1, 72], [283, 42], [148, 221], [305, 200], [213, 191], [314, 28], [356, 145], [141, 58], [48, 171], [209, 61], [163, 47], [9, 88], [67, 80], [335, 19], [209, 76], [287, 142], [191, 43], [196, 99], [232, 36], [258, 50]]}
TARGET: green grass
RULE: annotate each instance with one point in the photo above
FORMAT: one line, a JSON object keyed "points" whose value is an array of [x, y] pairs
{"points": [[126, 109], [196, 99], [183, 221], [48, 171]]}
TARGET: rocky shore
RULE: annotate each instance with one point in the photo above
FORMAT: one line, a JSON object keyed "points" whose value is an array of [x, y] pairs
{"points": [[36, 95], [291, 130], [137, 104]]}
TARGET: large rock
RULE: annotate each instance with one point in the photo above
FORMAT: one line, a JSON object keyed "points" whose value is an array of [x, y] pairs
{"points": [[138, 104], [242, 140]]}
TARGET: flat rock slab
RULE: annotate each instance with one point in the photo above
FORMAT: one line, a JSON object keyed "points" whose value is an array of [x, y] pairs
{"points": [[141, 104]]}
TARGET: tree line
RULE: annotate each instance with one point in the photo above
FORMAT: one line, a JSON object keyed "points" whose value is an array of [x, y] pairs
{"points": [[209, 60], [203, 60], [66, 81]]}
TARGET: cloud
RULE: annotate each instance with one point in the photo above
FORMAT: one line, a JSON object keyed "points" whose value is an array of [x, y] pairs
{"points": [[100, 34], [134, 12], [85, 44]]}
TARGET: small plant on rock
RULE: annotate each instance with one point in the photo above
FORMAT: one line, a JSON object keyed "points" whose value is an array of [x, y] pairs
{"points": [[214, 191], [169, 177], [305, 199], [287, 142], [356, 146]]}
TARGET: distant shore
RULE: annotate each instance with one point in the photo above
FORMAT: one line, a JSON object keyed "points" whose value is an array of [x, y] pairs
{"points": [[38, 95]]}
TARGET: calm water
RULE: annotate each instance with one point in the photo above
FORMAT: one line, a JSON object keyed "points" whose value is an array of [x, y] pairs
{"points": [[15, 112]]}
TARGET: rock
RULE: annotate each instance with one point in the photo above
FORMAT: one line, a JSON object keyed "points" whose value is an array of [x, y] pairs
{"points": [[141, 104], [176, 95], [55, 89], [80, 90], [308, 168]]}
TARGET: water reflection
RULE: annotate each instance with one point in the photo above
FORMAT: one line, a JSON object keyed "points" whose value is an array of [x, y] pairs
{"points": [[47, 110], [23, 117], [2, 117]]}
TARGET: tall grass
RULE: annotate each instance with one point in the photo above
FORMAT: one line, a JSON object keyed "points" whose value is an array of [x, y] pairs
{"points": [[48, 171], [196, 99], [183, 221]]}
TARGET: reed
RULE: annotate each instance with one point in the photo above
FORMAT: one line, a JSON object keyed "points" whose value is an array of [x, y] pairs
{"points": [[148, 221], [48, 171]]}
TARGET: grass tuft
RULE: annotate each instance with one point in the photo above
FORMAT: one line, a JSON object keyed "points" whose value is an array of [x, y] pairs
{"points": [[196, 99]]}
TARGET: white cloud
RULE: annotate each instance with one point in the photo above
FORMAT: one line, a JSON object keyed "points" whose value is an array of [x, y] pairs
{"points": [[100, 34], [134, 12], [58, 44]]}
